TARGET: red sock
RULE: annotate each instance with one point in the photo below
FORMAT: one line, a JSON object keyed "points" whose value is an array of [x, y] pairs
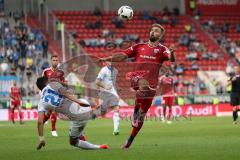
{"points": [[135, 130], [169, 113], [12, 117], [53, 120], [164, 112], [20, 116]]}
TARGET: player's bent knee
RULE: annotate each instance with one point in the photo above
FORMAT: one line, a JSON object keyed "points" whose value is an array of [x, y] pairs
{"points": [[73, 141]]}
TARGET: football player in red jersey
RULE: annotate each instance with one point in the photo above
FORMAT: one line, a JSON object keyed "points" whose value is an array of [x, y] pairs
{"points": [[152, 52], [15, 101], [53, 73], [167, 91]]}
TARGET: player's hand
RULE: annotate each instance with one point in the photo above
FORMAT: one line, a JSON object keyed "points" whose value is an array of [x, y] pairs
{"points": [[40, 145], [234, 78], [172, 48]]}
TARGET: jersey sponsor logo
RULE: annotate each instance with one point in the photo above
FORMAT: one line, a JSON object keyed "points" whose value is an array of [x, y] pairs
{"points": [[155, 51], [148, 57]]}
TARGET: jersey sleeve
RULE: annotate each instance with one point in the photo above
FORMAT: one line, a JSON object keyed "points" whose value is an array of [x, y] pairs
{"points": [[62, 76], [132, 51], [101, 74], [43, 73], [166, 54]]}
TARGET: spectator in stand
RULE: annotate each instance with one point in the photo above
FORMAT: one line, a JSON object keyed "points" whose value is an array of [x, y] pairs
{"points": [[174, 20], [179, 69], [98, 24], [89, 25], [225, 27], [176, 11], [188, 28], [165, 19], [97, 11], [4, 67], [117, 22], [148, 16], [196, 14], [192, 56], [184, 40], [106, 33], [238, 28], [232, 48], [45, 48], [45, 65], [195, 65], [166, 11], [205, 56]]}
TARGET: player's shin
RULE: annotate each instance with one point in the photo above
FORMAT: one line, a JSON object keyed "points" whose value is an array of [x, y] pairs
{"points": [[136, 128], [116, 120], [169, 113], [82, 144], [12, 117], [40, 130], [53, 121]]}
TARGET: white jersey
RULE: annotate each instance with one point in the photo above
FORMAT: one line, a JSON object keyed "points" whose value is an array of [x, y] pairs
{"points": [[108, 76], [50, 97]]}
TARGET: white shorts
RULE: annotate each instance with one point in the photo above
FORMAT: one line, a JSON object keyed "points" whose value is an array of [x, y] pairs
{"points": [[109, 100], [77, 128]]}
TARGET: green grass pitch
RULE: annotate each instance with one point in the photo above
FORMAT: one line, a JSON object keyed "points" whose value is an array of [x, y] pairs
{"points": [[205, 138]]}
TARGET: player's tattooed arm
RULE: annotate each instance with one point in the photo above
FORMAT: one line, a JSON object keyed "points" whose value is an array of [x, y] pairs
{"points": [[72, 97], [172, 55], [115, 58]]}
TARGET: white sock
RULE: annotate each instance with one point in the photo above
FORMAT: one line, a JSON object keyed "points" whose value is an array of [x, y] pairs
{"points": [[116, 120], [86, 145]]}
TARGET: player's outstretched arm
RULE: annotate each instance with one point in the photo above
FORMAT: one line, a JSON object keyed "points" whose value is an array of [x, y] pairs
{"points": [[115, 58], [72, 98], [172, 55], [40, 130]]}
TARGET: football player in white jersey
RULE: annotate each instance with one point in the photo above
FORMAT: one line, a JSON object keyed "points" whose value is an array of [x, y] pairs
{"points": [[54, 96], [106, 81]]}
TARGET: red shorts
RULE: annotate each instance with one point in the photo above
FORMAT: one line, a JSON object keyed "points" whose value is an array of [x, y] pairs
{"points": [[143, 103], [15, 104], [168, 101]]}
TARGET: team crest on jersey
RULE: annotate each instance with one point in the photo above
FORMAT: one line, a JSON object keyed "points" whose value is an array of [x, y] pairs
{"points": [[156, 51]]}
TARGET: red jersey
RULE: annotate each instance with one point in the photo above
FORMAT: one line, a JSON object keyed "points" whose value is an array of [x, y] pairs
{"points": [[143, 52], [167, 86], [54, 74], [150, 58], [15, 94]]}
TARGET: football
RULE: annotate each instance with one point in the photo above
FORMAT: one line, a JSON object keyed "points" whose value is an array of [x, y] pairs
{"points": [[125, 13]]}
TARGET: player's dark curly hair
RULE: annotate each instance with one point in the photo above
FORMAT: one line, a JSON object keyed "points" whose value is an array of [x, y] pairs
{"points": [[41, 82]]}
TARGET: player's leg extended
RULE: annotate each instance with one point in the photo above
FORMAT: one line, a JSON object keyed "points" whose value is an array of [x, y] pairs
{"points": [[235, 114], [143, 102], [12, 108], [20, 114], [164, 112], [53, 122], [40, 126], [76, 130], [234, 102], [116, 120]]}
